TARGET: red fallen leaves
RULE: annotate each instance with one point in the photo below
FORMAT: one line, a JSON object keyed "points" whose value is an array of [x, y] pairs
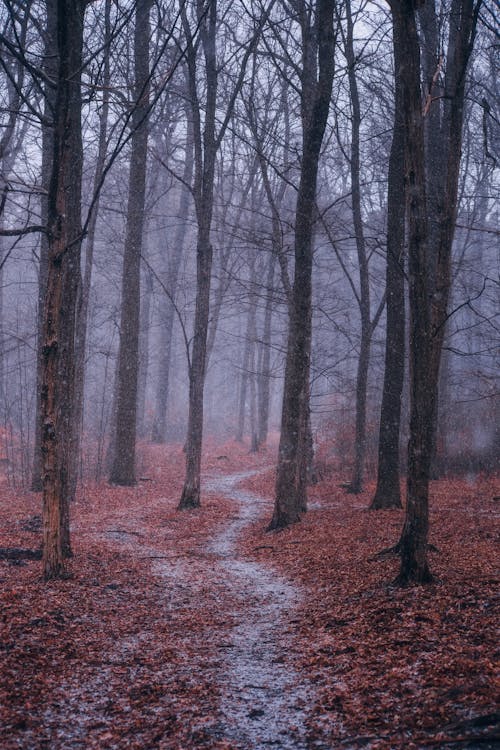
{"points": [[396, 668], [128, 653]]}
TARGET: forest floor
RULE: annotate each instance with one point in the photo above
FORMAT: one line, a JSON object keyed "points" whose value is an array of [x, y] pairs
{"points": [[198, 629]]}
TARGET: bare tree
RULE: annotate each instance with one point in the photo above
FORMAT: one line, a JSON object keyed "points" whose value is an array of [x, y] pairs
{"points": [[318, 44], [64, 240], [207, 140], [388, 491], [123, 466], [368, 324], [429, 255], [84, 296]]}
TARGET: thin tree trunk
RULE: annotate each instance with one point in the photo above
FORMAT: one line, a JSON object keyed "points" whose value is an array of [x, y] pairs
{"points": [[159, 432], [206, 145], [205, 154], [84, 297], [123, 467], [190, 497], [242, 402], [264, 377], [388, 491], [144, 326], [49, 66], [356, 483]]}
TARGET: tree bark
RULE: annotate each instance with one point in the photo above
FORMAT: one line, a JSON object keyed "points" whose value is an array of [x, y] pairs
{"points": [[429, 269], [144, 326], [49, 66], [123, 467], [264, 376], [388, 491], [64, 241], [84, 297], [205, 153], [317, 78], [356, 484]]}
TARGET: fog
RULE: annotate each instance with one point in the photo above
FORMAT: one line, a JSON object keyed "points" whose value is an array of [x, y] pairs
{"points": [[255, 183]]}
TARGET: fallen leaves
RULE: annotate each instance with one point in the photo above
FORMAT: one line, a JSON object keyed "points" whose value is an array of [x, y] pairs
{"points": [[402, 662], [130, 652]]}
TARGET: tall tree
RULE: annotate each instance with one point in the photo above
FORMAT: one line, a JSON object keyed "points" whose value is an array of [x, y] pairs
{"points": [[84, 296], [64, 241], [207, 140], [49, 67], [429, 255], [363, 295], [123, 466], [388, 491], [167, 306], [14, 83], [318, 48]]}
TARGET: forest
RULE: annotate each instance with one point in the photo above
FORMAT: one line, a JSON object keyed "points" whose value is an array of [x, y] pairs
{"points": [[249, 374]]}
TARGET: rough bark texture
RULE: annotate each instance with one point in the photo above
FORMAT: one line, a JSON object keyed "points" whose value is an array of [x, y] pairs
{"points": [[317, 77], [123, 467], [144, 328], [49, 66], [64, 233], [429, 268], [388, 492]]}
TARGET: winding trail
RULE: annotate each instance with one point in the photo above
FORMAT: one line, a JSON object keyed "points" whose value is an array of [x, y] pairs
{"points": [[264, 701]]}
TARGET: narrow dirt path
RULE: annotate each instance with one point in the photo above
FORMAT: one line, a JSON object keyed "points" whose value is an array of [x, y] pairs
{"points": [[264, 700]]}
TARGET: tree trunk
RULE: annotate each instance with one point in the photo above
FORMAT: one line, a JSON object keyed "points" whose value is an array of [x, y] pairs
{"points": [[264, 377], [159, 432], [123, 467], [191, 492], [144, 326], [388, 491], [64, 233], [356, 484], [206, 146], [49, 66], [205, 154], [429, 270], [84, 297], [317, 80]]}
